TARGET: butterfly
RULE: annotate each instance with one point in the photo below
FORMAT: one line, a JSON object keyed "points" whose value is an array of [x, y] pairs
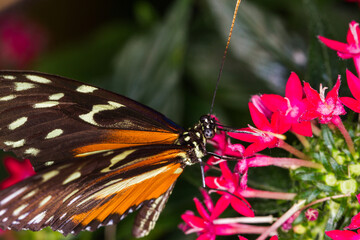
{"points": [[98, 155]]}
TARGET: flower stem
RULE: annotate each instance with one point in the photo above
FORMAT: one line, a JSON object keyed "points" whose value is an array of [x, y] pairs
{"points": [[254, 193], [316, 131], [282, 219], [303, 140], [293, 150], [291, 163], [339, 124], [251, 220]]}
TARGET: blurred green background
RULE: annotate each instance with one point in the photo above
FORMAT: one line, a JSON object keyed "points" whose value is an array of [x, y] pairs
{"points": [[167, 54]]}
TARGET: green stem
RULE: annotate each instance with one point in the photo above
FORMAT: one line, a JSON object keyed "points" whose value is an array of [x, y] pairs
{"points": [[303, 140], [293, 150]]}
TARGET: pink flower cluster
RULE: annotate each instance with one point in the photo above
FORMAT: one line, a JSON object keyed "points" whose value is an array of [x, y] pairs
{"points": [[274, 115]]}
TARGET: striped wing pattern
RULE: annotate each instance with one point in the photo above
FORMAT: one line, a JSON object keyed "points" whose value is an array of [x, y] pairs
{"points": [[50, 119], [83, 195], [98, 155]]}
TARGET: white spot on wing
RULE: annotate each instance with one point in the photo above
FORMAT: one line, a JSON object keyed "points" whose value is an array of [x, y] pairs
{"points": [[86, 89], [17, 123], [49, 220], [46, 104], [19, 209], [23, 216], [2, 212], [72, 177], [32, 151], [62, 216], [9, 77], [7, 98], [111, 222], [49, 163], [56, 96], [29, 194], [44, 201], [89, 117], [88, 228], [38, 79], [72, 201], [22, 86], [54, 133], [5, 219], [117, 159], [38, 218], [15, 144], [12, 196], [51, 174]]}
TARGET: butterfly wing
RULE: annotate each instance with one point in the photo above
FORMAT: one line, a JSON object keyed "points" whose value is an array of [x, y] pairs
{"points": [[51, 119], [88, 193]]}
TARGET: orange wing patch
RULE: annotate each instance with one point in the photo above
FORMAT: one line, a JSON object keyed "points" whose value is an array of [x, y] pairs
{"points": [[132, 192], [116, 139]]}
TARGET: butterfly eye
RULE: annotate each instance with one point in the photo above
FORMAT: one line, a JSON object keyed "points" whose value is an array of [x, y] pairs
{"points": [[209, 133]]}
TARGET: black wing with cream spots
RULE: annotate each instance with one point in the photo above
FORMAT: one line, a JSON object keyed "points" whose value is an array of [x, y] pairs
{"points": [[43, 117], [82, 195]]}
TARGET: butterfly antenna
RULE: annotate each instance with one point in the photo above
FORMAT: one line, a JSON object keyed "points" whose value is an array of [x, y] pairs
{"points": [[225, 53]]}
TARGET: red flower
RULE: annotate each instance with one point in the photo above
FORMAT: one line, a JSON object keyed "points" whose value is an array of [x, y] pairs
{"points": [[21, 41], [351, 49], [327, 109], [290, 107], [267, 134], [354, 85], [204, 225], [18, 170], [343, 235], [355, 221], [223, 146], [230, 189]]}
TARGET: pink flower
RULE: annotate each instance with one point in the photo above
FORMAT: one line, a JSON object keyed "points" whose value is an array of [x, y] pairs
{"points": [[354, 85], [343, 235], [351, 49], [265, 136], [21, 41], [224, 147], [261, 106], [204, 225], [290, 107], [230, 189], [312, 214], [18, 170], [326, 109]]}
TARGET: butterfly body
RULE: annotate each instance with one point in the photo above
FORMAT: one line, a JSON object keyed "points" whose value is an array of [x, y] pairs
{"points": [[98, 155]]}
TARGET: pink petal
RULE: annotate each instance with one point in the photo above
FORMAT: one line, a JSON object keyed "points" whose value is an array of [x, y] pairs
{"points": [[259, 104], [207, 200], [335, 45], [355, 222], [246, 137], [275, 102], [193, 221], [312, 96], [213, 182], [354, 84], [293, 87], [254, 148], [220, 207], [206, 236], [200, 208], [242, 238], [353, 35], [333, 94], [242, 207], [341, 235], [279, 124], [351, 103], [258, 118], [302, 128], [274, 238], [226, 172]]}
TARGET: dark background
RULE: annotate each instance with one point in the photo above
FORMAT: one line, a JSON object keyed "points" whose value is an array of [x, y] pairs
{"points": [[167, 54]]}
